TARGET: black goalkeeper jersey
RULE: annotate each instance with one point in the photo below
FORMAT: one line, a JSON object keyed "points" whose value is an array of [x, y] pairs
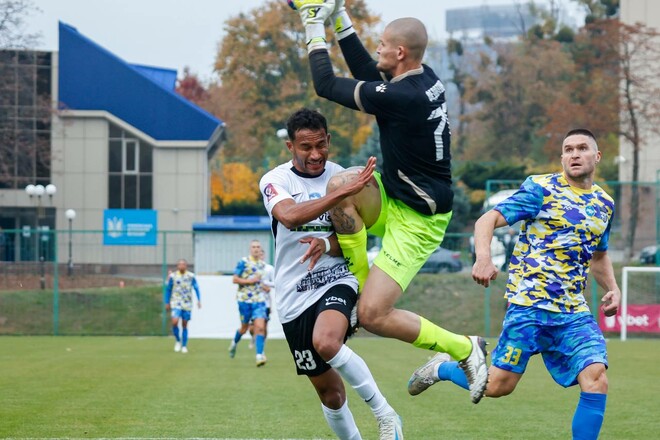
{"points": [[412, 117]]}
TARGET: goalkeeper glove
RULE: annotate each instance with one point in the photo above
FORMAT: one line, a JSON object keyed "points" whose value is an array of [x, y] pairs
{"points": [[340, 21], [314, 13]]}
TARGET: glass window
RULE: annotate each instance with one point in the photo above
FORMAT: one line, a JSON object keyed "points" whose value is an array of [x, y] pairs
{"points": [[114, 156], [130, 191], [114, 191], [115, 132], [146, 197], [146, 158], [130, 156]]}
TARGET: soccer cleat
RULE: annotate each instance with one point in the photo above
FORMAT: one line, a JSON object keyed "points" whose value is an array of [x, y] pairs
{"points": [[426, 375], [232, 349], [390, 427], [475, 368], [261, 360], [177, 346], [184, 350]]}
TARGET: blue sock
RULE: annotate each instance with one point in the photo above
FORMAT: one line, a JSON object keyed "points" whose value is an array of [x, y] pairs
{"points": [[451, 371], [259, 343], [588, 416], [237, 337], [184, 338], [175, 332]]}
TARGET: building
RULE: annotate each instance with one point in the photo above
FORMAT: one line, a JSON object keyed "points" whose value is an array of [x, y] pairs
{"points": [[112, 137]]}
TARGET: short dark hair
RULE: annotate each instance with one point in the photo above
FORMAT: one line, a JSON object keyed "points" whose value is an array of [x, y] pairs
{"points": [[305, 119], [582, 131]]}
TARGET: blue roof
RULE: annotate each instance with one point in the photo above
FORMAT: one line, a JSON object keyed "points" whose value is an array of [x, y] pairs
{"points": [[234, 223], [166, 78], [92, 78]]}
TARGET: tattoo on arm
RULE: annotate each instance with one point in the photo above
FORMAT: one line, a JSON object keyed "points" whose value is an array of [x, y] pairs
{"points": [[343, 223]]}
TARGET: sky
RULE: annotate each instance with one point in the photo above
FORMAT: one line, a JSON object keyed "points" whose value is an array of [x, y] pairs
{"points": [[178, 33]]}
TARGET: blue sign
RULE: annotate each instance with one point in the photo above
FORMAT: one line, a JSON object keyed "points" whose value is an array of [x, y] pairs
{"points": [[130, 227]]}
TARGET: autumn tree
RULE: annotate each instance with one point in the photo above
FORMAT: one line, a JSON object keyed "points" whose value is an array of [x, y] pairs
{"points": [[191, 88], [13, 31], [264, 77], [235, 190]]}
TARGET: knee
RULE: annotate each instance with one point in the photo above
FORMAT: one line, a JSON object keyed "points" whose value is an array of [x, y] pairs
{"points": [[342, 178], [332, 398], [370, 317], [326, 345], [594, 379], [499, 388]]}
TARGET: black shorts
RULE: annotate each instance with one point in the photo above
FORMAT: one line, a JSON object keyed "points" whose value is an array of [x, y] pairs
{"points": [[299, 332]]}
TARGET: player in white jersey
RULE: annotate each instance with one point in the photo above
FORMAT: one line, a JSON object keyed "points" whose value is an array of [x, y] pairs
{"points": [[315, 290]]}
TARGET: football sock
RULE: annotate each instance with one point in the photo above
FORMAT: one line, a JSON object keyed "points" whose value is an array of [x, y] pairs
{"points": [[354, 248], [354, 370], [589, 416], [184, 337], [237, 337], [175, 332], [259, 344], [452, 372], [432, 337], [341, 422]]}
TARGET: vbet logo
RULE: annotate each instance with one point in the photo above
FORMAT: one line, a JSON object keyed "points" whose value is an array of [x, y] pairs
{"points": [[130, 227], [642, 318]]}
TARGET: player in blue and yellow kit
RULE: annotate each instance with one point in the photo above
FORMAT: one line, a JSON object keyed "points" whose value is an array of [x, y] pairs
{"points": [[179, 300], [566, 224], [252, 306]]}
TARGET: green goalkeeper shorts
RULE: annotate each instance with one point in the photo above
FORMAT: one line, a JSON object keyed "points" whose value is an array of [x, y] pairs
{"points": [[408, 237]]}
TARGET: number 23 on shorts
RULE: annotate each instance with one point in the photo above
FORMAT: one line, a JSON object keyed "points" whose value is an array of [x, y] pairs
{"points": [[512, 355]]}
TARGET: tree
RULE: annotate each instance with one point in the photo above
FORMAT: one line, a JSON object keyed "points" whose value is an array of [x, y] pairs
{"points": [[191, 88], [13, 34], [234, 184], [264, 77]]}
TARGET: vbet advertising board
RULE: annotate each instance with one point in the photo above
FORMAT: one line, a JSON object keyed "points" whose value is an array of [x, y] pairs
{"points": [[130, 227], [640, 318]]}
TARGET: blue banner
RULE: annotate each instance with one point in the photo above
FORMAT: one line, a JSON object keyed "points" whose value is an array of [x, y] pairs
{"points": [[130, 227]]}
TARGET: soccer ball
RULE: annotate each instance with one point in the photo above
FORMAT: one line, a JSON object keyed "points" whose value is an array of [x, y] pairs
{"points": [[291, 4]]}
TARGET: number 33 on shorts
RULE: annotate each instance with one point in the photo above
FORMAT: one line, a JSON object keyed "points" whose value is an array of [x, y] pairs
{"points": [[512, 355]]}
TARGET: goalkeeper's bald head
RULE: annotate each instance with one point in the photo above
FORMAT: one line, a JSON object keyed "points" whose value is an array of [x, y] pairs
{"points": [[410, 33]]}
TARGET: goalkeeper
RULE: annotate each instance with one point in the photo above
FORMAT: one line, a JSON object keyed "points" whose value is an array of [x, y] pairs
{"points": [[410, 204], [566, 225]]}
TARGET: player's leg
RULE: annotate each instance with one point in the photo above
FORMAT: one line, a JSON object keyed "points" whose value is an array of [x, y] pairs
{"points": [[353, 216], [185, 317], [517, 343], [176, 314], [579, 356], [334, 404], [326, 381], [328, 338], [259, 320], [245, 314]]}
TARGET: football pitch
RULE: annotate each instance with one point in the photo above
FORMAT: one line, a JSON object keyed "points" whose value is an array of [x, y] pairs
{"points": [[129, 387]]}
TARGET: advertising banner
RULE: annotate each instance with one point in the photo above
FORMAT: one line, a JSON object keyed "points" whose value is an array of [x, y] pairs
{"points": [[642, 318], [130, 227]]}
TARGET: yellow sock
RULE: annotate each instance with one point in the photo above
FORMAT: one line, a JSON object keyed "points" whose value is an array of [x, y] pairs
{"points": [[354, 247], [433, 337]]}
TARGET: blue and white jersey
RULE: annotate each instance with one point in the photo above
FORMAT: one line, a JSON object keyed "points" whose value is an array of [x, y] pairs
{"points": [[562, 228], [179, 290]]}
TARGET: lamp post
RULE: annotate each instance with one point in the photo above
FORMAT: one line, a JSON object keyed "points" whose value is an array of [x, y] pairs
{"points": [[36, 192], [70, 215]]}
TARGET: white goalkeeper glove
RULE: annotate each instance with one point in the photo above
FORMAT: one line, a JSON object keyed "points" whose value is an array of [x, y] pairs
{"points": [[340, 20], [314, 14]]}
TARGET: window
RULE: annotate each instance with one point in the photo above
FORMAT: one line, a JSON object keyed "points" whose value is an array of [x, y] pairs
{"points": [[130, 165], [25, 118]]}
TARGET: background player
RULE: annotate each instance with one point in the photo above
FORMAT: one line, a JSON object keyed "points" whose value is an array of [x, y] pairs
{"points": [[251, 304], [178, 300], [314, 301], [410, 207], [566, 224]]}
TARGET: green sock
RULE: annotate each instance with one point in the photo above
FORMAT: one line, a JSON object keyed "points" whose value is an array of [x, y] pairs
{"points": [[433, 337], [354, 247]]}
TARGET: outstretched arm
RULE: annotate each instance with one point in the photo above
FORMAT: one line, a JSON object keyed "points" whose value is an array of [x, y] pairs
{"points": [[327, 85]]}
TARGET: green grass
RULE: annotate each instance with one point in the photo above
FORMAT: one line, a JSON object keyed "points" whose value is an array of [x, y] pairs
{"points": [[86, 387]]}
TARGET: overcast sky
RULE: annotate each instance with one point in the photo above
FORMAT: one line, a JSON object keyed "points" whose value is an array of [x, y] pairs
{"points": [[178, 33]]}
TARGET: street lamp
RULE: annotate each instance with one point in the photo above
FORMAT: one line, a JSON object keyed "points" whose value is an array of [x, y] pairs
{"points": [[70, 215], [37, 192]]}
